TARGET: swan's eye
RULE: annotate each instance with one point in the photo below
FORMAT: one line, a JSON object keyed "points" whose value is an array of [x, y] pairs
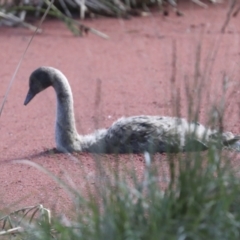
{"points": [[39, 82]]}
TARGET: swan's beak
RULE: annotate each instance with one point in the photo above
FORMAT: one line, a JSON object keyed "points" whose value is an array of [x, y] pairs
{"points": [[29, 97]]}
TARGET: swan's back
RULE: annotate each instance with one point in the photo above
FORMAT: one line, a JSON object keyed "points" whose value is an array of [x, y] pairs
{"points": [[155, 134]]}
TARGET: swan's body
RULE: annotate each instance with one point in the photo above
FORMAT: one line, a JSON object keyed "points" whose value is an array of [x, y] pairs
{"points": [[132, 134]]}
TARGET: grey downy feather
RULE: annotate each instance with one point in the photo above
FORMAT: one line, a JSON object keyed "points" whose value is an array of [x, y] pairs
{"points": [[134, 134]]}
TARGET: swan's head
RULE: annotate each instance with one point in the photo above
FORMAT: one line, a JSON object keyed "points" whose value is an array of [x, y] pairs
{"points": [[39, 80]]}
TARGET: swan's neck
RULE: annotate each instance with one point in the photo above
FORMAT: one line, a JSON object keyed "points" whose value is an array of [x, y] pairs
{"points": [[66, 135]]}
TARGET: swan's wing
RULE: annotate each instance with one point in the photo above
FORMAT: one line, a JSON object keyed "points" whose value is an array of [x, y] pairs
{"points": [[145, 133]]}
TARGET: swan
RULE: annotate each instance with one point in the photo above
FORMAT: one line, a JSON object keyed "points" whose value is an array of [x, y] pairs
{"points": [[134, 134]]}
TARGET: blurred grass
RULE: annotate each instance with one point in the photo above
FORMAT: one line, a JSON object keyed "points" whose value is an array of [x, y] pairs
{"points": [[201, 202], [19, 12], [83, 8]]}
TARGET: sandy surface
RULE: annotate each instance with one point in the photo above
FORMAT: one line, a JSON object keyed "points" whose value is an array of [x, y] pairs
{"points": [[135, 68]]}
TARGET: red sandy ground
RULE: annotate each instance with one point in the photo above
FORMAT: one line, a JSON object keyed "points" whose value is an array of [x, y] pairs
{"points": [[134, 67]]}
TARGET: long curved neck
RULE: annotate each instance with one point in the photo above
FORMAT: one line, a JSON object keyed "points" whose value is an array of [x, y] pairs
{"points": [[65, 130]]}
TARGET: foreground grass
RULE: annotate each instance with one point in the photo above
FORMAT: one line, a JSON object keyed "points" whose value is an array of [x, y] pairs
{"points": [[201, 202]]}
